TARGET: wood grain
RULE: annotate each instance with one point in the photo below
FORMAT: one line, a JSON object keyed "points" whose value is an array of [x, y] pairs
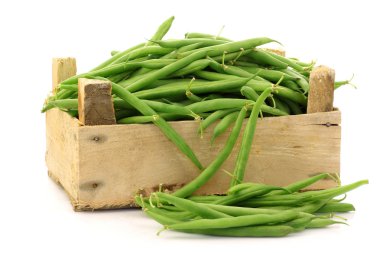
{"points": [[139, 157], [63, 68], [95, 105], [321, 93]]}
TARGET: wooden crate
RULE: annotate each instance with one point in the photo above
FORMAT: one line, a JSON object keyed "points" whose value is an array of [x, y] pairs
{"points": [[104, 166]]}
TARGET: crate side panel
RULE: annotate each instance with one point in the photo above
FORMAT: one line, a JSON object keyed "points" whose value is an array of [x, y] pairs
{"points": [[117, 161], [62, 150]]}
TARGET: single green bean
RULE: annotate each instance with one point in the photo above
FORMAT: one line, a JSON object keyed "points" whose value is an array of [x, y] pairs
{"points": [[197, 87], [137, 120], [141, 52], [117, 56], [247, 139], [185, 42], [293, 64], [161, 31], [161, 123], [242, 221], [190, 206], [332, 207], [205, 36], [230, 103], [268, 74], [323, 222], [222, 126], [218, 114], [263, 57], [191, 68], [208, 172], [254, 231], [231, 47], [249, 93]]}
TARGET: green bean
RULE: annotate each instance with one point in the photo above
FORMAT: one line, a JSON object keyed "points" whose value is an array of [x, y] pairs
{"points": [[63, 104], [119, 68], [186, 42], [254, 231], [302, 81], [323, 222], [243, 186], [73, 112], [299, 224], [191, 68], [204, 198], [247, 139], [242, 221], [231, 57], [229, 103], [211, 169], [119, 77], [175, 53], [268, 74], [333, 192], [190, 206], [281, 105], [331, 207], [287, 61], [137, 120], [222, 126], [246, 194], [218, 114], [197, 87], [170, 108], [161, 123], [295, 109], [299, 198], [113, 52], [165, 71], [240, 211], [141, 52], [231, 46], [124, 113], [299, 185], [291, 85], [70, 87], [263, 57], [162, 216], [258, 86], [205, 36], [161, 31], [249, 93], [117, 56]]}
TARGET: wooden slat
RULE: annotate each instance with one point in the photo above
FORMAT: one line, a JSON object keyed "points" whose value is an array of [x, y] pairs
{"points": [[321, 93], [285, 149], [63, 68], [62, 150], [95, 106]]}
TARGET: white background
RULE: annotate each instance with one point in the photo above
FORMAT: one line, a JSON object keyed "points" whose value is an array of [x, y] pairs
{"points": [[35, 214]]}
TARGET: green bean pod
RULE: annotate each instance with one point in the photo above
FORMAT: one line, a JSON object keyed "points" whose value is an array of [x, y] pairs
{"points": [[208, 172], [242, 221], [222, 126], [161, 123], [162, 30]]}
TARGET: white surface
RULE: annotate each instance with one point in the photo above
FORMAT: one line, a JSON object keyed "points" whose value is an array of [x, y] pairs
{"points": [[36, 214]]}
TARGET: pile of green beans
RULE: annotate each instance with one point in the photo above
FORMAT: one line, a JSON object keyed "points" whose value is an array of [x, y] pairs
{"points": [[214, 79]]}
